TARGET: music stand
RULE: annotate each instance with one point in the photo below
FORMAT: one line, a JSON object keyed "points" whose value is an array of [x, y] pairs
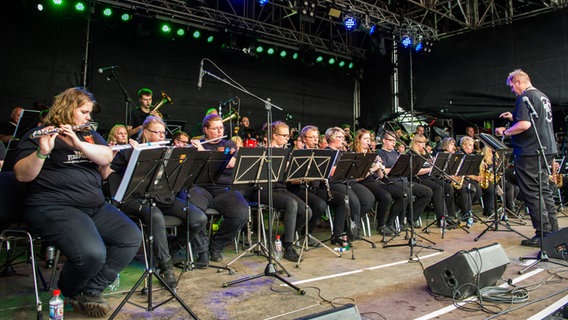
{"points": [[401, 169], [349, 167], [305, 166], [28, 120], [192, 167], [499, 214], [251, 168], [146, 176]]}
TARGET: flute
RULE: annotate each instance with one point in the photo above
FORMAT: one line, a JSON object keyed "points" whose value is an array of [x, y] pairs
{"points": [[44, 132], [140, 145], [207, 141]]}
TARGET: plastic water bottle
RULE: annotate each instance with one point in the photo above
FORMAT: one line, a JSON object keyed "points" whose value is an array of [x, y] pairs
{"points": [[277, 248], [470, 221], [56, 306], [115, 285]]}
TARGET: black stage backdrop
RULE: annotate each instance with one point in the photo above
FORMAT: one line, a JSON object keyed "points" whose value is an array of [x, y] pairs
{"points": [[42, 54]]}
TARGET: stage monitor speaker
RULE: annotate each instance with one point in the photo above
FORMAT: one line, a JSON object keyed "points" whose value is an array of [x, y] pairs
{"points": [[346, 312], [556, 244], [462, 274]]}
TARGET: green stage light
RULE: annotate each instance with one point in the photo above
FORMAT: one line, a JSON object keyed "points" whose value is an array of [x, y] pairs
{"points": [[40, 7], [283, 54], [319, 59], [125, 17], [210, 39], [196, 34], [57, 2], [351, 65], [270, 51], [295, 56], [107, 12], [259, 49], [80, 6], [166, 28], [180, 32], [331, 61], [342, 64]]}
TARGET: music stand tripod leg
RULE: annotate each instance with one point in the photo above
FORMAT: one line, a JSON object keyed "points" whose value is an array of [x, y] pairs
{"points": [[307, 235]]}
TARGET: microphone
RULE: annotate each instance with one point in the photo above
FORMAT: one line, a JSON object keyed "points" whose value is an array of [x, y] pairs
{"points": [[200, 81], [103, 69], [530, 106]]}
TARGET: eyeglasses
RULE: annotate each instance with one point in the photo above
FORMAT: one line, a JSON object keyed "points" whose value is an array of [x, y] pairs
{"points": [[157, 132], [182, 141]]}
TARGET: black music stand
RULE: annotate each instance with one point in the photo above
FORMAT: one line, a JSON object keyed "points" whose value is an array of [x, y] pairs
{"points": [[499, 214], [401, 169], [192, 167], [349, 167], [251, 168], [305, 166], [147, 176], [28, 120]]}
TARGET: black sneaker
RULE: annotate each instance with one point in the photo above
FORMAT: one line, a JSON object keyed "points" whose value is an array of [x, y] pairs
{"points": [[336, 240], [532, 242], [215, 256], [290, 254], [202, 260], [91, 304], [167, 273]]}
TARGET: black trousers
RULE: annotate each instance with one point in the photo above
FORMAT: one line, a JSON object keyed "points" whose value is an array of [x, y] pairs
{"points": [[526, 171]]}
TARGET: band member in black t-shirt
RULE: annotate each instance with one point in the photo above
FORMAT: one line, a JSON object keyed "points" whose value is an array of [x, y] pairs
{"points": [[525, 148], [65, 203], [219, 196], [138, 115]]}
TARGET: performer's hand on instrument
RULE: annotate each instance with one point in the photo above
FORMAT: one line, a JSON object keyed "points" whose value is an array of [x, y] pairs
{"points": [[46, 143], [69, 136], [133, 143], [506, 115], [197, 144]]}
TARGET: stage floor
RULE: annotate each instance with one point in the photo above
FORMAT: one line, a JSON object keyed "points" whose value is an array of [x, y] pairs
{"points": [[383, 283]]}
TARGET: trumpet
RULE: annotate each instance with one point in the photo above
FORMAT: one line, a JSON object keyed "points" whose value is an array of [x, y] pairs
{"points": [[44, 132], [165, 100]]}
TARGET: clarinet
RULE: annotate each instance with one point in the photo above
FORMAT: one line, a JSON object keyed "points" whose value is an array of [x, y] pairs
{"points": [[328, 189]]}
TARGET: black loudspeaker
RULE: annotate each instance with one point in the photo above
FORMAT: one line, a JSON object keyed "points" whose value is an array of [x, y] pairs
{"points": [[462, 274], [346, 312], [556, 244]]}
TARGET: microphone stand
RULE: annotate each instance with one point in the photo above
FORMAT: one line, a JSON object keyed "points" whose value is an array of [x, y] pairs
{"points": [[542, 256], [269, 270], [127, 100]]}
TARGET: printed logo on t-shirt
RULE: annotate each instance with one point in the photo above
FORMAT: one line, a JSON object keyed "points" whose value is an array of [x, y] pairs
{"points": [[547, 109]]}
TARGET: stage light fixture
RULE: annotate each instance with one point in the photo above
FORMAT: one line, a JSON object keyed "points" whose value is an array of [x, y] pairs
{"points": [[307, 10], [125, 17], [166, 28], [210, 39], [295, 56], [107, 12], [341, 64], [263, 2], [283, 54], [350, 22], [331, 61], [180, 32], [270, 51], [406, 41], [196, 34], [372, 29], [40, 7], [351, 65], [319, 59], [80, 6], [259, 49], [57, 2]]}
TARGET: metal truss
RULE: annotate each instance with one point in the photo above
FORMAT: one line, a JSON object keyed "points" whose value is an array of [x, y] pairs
{"points": [[280, 23]]}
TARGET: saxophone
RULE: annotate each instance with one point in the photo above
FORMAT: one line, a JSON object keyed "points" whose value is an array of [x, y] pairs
{"points": [[458, 183], [486, 176], [556, 178]]}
